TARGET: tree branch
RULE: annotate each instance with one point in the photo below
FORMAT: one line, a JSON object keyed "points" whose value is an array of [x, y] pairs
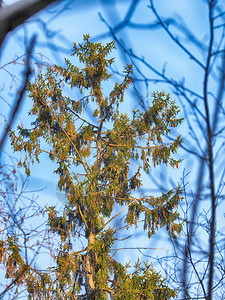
{"points": [[16, 14], [18, 101]]}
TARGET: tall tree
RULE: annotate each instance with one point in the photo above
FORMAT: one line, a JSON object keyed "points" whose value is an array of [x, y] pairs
{"points": [[93, 158], [198, 47]]}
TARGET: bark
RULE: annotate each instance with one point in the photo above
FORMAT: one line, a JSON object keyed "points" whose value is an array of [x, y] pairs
{"points": [[16, 14], [89, 264], [91, 258]]}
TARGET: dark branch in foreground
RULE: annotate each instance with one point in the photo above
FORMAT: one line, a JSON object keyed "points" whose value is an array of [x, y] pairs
{"points": [[18, 101], [16, 14]]}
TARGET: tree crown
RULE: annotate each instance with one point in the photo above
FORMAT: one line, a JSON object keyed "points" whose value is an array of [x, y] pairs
{"points": [[94, 157]]}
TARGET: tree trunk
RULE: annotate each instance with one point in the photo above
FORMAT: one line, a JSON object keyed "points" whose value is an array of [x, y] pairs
{"points": [[89, 265]]}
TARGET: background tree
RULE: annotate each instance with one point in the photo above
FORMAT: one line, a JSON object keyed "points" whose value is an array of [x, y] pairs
{"points": [[19, 245], [199, 255], [11, 17], [93, 158], [21, 235]]}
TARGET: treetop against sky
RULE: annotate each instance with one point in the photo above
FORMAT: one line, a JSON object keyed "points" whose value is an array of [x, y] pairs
{"points": [[172, 49], [108, 179]]}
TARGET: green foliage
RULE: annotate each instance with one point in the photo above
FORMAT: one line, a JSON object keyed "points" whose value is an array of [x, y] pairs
{"points": [[143, 283], [93, 161]]}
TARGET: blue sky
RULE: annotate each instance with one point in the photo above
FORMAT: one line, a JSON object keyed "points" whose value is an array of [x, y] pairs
{"points": [[83, 18], [155, 46]]}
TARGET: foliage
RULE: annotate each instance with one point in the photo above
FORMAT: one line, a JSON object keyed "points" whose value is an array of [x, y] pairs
{"points": [[16, 237], [93, 157], [143, 283]]}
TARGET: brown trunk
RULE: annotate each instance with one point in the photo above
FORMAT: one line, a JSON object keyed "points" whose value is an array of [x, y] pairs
{"points": [[89, 265], [99, 150], [90, 258]]}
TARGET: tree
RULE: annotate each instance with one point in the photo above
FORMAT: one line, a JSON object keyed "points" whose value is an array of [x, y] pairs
{"points": [[93, 158], [22, 237], [18, 242], [11, 17], [199, 254]]}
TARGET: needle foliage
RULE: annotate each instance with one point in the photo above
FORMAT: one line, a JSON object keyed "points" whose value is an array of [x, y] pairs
{"points": [[100, 155]]}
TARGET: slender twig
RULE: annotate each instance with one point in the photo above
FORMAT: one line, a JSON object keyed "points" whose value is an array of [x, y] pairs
{"points": [[18, 100], [210, 154]]}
